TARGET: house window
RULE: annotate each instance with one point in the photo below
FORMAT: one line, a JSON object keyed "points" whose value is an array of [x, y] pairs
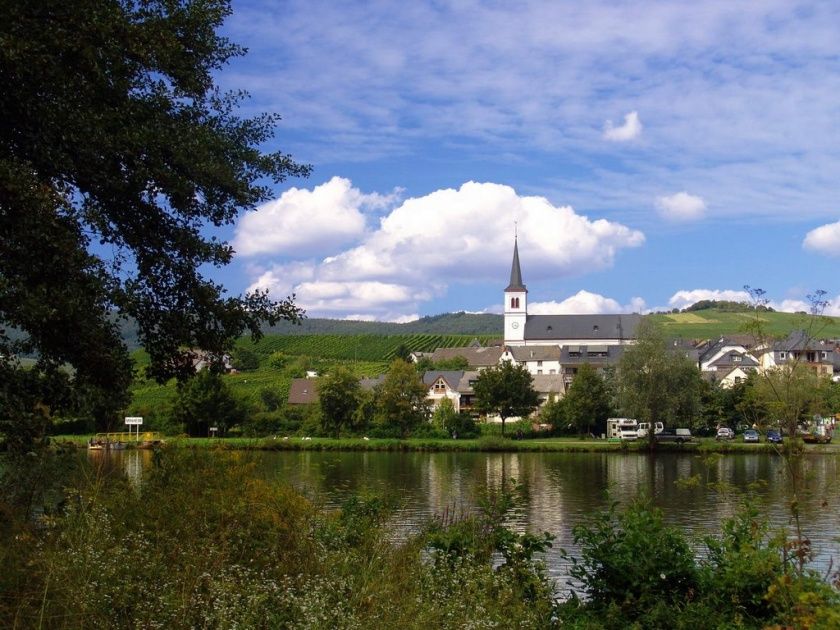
{"points": [[736, 358], [539, 363], [824, 354], [440, 386], [737, 380], [783, 355]]}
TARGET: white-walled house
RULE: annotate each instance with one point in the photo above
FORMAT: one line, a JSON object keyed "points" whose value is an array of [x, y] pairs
{"points": [[727, 363], [537, 359], [443, 384], [797, 348]]}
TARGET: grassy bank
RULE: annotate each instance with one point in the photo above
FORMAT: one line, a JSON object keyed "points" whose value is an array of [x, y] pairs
{"points": [[484, 444]]}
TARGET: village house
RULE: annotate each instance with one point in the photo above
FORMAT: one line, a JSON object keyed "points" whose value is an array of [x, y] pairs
{"points": [[798, 348], [727, 363]]}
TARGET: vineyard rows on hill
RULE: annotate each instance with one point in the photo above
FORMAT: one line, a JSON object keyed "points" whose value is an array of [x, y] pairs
{"points": [[360, 347]]}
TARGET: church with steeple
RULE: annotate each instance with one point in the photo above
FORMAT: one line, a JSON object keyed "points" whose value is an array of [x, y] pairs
{"points": [[594, 333]]}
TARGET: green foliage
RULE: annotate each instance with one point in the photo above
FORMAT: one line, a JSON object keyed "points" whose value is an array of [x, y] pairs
{"points": [[480, 537], [587, 403], [444, 414], [656, 383], [204, 401], [245, 359], [270, 398], [403, 352], [554, 413], [212, 544], [362, 347], [637, 572], [726, 306], [713, 323], [507, 390], [632, 560], [741, 565], [278, 360], [401, 399], [118, 151], [423, 365], [339, 399], [455, 364]]}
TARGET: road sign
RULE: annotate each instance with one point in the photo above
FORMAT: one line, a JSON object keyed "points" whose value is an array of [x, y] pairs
{"points": [[133, 420]]}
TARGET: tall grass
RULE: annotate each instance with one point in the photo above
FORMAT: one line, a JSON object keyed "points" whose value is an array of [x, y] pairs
{"points": [[205, 542]]}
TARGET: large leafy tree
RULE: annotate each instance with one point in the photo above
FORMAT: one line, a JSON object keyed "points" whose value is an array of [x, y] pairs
{"points": [[207, 401], [587, 402], [117, 152], [401, 398], [792, 392], [656, 383], [339, 395], [507, 390]]}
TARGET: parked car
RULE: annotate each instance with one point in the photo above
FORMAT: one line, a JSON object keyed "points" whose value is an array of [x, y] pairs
{"points": [[725, 433], [644, 427], [751, 435], [674, 435], [774, 436]]}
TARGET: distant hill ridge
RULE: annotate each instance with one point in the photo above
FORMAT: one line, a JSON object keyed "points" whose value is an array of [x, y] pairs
{"points": [[688, 324]]}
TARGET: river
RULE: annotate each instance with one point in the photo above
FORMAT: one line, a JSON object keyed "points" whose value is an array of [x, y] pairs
{"points": [[560, 490]]}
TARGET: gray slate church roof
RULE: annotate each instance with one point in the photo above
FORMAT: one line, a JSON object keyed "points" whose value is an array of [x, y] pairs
{"points": [[593, 327], [516, 272]]}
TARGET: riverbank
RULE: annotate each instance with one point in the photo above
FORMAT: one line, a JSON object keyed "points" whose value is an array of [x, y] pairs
{"points": [[483, 444]]}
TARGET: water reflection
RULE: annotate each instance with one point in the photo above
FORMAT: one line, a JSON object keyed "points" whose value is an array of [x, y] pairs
{"points": [[562, 489]]}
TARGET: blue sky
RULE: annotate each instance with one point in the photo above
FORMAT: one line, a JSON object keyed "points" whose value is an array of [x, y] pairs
{"points": [[652, 154]]}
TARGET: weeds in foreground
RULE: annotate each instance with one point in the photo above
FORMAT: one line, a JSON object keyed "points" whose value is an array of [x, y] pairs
{"points": [[204, 541]]}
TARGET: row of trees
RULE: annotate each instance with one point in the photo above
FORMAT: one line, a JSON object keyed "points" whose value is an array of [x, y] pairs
{"points": [[398, 403]]}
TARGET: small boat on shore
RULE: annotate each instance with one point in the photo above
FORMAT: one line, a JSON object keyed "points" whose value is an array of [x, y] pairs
{"points": [[122, 441]]}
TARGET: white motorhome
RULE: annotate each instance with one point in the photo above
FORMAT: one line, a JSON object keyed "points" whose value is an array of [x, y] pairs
{"points": [[644, 427], [622, 428]]}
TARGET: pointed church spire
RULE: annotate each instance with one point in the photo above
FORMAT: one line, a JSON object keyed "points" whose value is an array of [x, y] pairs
{"points": [[515, 271]]}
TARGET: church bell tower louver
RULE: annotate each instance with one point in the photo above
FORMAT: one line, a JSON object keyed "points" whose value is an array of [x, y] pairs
{"points": [[516, 302]]}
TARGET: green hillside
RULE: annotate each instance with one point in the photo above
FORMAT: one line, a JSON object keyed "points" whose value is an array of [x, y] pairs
{"points": [[711, 323], [365, 355], [365, 347]]}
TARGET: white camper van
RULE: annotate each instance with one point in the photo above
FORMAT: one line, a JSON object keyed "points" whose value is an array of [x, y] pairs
{"points": [[622, 428]]}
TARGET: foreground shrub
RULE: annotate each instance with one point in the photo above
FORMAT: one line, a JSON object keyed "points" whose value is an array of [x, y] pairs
{"points": [[635, 571], [633, 561], [205, 542]]}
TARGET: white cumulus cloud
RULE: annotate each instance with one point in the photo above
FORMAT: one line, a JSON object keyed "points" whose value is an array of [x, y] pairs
{"points": [[824, 239], [585, 302], [429, 242], [631, 129], [681, 207], [308, 221]]}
